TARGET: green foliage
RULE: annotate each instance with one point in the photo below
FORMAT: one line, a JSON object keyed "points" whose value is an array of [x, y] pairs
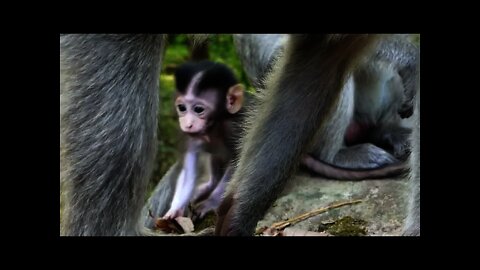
{"points": [[223, 51], [177, 51], [416, 39]]}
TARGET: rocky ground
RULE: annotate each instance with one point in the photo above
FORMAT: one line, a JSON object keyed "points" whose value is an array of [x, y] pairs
{"points": [[382, 208]]}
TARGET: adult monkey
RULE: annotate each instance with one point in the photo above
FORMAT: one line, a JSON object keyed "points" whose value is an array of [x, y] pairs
{"points": [[369, 138], [312, 73]]}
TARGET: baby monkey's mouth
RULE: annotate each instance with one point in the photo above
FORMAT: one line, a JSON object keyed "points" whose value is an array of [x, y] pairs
{"points": [[202, 135], [195, 133]]}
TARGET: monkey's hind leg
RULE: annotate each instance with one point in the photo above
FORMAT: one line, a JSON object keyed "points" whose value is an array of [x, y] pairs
{"points": [[412, 223], [108, 126]]}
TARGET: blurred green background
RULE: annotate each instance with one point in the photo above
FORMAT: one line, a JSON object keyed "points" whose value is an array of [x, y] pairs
{"points": [[219, 48]]}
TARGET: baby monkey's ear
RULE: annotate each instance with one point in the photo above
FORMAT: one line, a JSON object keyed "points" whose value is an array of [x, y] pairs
{"points": [[235, 98]]}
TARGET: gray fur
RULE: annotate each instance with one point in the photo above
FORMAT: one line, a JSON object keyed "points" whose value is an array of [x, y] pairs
{"points": [[379, 95], [359, 99], [162, 195], [412, 222], [363, 156], [109, 105], [258, 54], [405, 55], [329, 140], [278, 137]]}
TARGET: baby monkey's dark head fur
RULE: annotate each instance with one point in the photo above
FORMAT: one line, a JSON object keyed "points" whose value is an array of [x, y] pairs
{"points": [[207, 94]]}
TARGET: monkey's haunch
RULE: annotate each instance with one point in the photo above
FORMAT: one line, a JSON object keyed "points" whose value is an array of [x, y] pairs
{"points": [[330, 171]]}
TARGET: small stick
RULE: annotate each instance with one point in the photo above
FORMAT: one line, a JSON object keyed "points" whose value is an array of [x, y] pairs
{"points": [[283, 224]]}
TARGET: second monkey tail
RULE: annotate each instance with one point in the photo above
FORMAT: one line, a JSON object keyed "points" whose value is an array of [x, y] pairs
{"points": [[333, 172]]}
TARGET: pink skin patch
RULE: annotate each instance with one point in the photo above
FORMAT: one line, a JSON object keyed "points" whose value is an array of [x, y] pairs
{"points": [[355, 132]]}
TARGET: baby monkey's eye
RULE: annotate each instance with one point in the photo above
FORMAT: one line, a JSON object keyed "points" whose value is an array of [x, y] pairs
{"points": [[198, 109], [181, 108]]}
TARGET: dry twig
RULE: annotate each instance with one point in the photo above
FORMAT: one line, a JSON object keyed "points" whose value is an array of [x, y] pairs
{"points": [[283, 224]]}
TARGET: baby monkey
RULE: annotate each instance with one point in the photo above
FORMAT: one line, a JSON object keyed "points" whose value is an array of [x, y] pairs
{"points": [[209, 103]]}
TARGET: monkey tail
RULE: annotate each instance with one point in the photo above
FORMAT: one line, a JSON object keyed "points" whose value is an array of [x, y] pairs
{"points": [[330, 171]]}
